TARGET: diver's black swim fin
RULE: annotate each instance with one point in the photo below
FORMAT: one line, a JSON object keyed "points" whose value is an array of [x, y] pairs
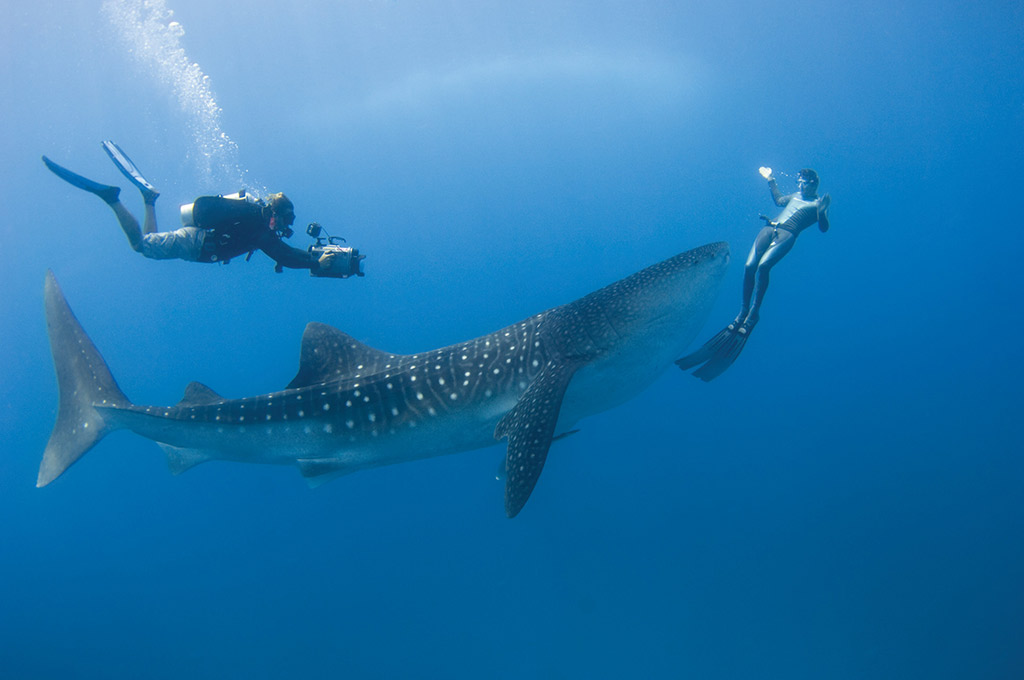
{"points": [[128, 169], [105, 191], [718, 353], [723, 358], [707, 350]]}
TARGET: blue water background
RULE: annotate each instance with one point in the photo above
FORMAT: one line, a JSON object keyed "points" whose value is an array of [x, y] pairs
{"points": [[845, 502]]}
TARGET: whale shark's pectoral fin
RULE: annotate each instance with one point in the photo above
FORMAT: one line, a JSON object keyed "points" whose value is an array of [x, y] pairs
{"points": [[181, 460], [563, 435], [329, 354], [499, 474], [530, 428]]}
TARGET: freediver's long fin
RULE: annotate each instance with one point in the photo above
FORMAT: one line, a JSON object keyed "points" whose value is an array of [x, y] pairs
{"points": [[706, 351], [128, 169], [723, 358], [718, 353], [107, 192]]}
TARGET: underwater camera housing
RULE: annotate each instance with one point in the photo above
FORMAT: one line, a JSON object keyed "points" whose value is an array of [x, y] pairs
{"points": [[347, 260]]}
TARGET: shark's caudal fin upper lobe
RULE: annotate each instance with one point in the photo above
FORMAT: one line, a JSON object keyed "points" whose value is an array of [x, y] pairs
{"points": [[83, 381]]}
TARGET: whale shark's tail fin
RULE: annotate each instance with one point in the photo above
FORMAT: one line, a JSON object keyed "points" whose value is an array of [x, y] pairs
{"points": [[83, 381]]}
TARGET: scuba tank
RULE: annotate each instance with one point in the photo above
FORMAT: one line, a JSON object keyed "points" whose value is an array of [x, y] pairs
{"points": [[230, 221], [207, 212]]}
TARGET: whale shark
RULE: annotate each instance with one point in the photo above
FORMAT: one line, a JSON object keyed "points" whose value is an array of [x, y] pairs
{"points": [[352, 407]]}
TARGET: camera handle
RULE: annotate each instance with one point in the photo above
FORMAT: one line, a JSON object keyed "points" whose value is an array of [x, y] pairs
{"points": [[315, 229]]}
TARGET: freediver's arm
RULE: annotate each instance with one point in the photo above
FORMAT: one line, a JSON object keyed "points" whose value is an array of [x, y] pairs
{"points": [[823, 204], [777, 196]]}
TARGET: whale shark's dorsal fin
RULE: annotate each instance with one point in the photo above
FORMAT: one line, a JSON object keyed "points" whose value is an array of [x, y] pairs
{"points": [[329, 354], [197, 394]]}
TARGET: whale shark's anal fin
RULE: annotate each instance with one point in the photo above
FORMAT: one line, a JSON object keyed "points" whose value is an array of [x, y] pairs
{"points": [[329, 354], [530, 428], [181, 459]]}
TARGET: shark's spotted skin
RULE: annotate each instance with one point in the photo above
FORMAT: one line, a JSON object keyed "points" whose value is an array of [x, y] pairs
{"points": [[351, 406], [348, 390]]}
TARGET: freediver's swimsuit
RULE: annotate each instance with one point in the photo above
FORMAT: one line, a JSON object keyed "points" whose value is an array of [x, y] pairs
{"points": [[774, 242], [797, 214]]}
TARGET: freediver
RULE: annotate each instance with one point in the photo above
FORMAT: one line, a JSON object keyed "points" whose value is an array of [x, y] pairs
{"points": [[799, 211], [216, 228]]}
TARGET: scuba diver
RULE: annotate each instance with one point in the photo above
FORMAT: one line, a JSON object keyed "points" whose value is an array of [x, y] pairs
{"points": [[773, 242], [216, 228]]}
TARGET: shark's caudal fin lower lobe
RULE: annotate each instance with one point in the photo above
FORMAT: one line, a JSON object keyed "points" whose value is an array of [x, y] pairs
{"points": [[83, 381]]}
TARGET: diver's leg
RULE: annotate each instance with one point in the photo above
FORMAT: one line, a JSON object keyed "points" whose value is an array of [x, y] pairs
{"points": [[149, 220], [757, 251], [185, 243], [109, 194], [718, 353], [129, 224], [775, 252]]}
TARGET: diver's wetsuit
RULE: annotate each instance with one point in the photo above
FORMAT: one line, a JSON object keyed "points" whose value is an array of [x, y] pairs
{"points": [[773, 242], [224, 228]]}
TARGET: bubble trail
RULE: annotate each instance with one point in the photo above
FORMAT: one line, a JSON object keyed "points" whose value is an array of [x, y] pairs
{"points": [[151, 35]]}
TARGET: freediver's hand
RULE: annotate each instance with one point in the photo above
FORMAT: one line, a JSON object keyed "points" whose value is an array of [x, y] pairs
{"points": [[823, 204], [766, 173]]}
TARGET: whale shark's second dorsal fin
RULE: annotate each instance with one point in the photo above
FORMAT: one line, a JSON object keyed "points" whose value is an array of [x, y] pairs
{"points": [[329, 354], [198, 394]]}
